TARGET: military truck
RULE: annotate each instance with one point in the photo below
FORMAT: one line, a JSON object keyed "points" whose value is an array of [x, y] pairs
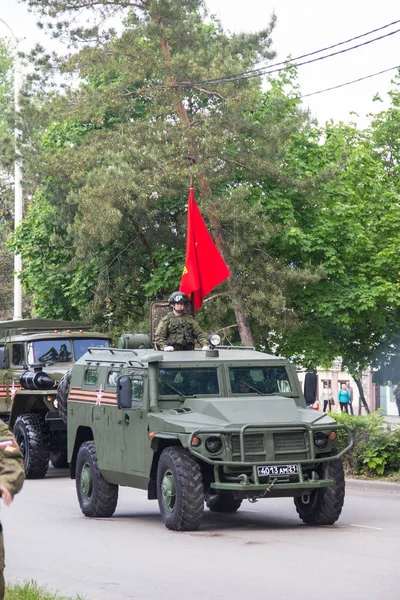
{"points": [[203, 427], [28, 392]]}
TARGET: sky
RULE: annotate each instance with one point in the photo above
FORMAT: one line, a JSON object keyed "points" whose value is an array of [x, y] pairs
{"points": [[303, 26]]}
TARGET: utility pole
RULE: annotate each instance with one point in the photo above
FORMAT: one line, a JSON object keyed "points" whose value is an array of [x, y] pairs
{"points": [[17, 176]]}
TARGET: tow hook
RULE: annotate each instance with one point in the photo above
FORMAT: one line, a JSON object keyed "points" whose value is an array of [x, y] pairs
{"points": [[269, 487]]}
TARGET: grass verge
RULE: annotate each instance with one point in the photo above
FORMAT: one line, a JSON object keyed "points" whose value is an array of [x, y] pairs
{"points": [[30, 590]]}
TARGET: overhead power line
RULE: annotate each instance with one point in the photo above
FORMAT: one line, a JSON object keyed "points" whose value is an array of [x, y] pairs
{"points": [[340, 85], [270, 68], [301, 96]]}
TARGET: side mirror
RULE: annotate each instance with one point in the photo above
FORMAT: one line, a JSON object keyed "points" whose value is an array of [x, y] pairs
{"points": [[124, 391], [310, 387], [4, 358]]}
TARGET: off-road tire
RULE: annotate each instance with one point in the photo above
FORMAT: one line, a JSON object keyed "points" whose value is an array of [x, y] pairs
{"points": [[31, 434], [180, 473], [62, 395], [224, 503], [97, 497], [325, 504]]}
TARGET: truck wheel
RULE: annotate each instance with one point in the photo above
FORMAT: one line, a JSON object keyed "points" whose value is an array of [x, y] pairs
{"points": [[180, 490], [62, 395], [30, 433], [97, 497], [325, 504], [223, 503]]}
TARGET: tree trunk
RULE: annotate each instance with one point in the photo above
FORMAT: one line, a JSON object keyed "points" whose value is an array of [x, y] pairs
{"points": [[361, 392], [242, 320]]}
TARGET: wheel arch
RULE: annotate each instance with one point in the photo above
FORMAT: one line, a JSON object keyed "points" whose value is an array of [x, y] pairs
{"points": [[158, 445], [26, 404], [83, 434]]}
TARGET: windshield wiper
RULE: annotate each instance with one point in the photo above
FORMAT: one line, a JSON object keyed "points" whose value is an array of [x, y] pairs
{"points": [[258, 391], [171, 387]]}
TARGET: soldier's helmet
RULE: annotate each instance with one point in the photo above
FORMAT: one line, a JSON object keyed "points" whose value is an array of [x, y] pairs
{"points": [[178, 297]]}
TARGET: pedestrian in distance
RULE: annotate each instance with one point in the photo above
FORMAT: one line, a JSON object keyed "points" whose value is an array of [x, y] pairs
{"points": [[327, 397], [344, 398], [178, 330], [396, 397], [11, 480], [350, 390]]}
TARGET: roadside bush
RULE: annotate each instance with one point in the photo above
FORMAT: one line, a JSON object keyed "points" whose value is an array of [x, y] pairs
{"points": [[376, 449]]}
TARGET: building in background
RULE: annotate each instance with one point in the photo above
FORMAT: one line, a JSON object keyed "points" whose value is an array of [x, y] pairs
{"points": [[374, 395]]}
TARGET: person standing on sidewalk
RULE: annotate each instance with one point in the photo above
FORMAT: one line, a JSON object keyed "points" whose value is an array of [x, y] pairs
{"points": [[350, 390], [344, 398], [396, 397], [11, 479], [327, 397]]}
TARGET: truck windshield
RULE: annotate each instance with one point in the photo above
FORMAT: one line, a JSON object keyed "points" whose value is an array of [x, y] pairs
{"points": [[81, 345], [50, 351], [188, 382], [60, 350], [259, 380]]}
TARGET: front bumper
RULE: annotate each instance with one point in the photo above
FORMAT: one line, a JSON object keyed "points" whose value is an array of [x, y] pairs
{"points": [[250, 446]]}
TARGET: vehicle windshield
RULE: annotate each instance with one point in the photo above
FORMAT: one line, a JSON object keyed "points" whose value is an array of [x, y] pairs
{"points": [[50, 351], [81, 345], [188, 382], [61, 350], [259, 380]]}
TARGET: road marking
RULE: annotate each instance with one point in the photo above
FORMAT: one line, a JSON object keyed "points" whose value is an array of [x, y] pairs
{"points": [[368, 527]]}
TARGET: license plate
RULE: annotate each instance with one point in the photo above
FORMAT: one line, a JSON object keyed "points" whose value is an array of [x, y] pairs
{"points": [[278, 470]]}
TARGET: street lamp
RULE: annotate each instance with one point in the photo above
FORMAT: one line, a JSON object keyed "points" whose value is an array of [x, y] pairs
{"points": [[17, 177]]}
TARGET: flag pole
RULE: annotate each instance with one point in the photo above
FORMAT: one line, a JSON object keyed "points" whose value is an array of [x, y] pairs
{"points": [[192, 311]]}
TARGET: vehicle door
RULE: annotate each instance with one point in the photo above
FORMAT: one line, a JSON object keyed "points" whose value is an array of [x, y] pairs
{"points": [[128, 426], [9, 378]]}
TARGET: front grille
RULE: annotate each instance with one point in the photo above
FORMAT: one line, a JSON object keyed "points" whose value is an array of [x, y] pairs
{"points": [[254, 447], [270, 446], [291, 445]]}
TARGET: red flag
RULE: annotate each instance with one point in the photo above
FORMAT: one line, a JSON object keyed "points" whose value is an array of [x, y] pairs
{"points": [[204, 266]]}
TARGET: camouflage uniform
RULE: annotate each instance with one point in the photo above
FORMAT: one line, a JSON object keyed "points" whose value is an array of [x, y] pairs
{"points": [[181, 332], [11, 477]]}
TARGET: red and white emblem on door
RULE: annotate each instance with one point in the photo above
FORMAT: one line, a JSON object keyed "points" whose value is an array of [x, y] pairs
{"points": [[13, 389], [99, 395]]}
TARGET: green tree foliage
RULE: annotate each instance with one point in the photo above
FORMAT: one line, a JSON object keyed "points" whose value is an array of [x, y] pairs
{"points": [[352, 310], [117, 154], [42, 240]]}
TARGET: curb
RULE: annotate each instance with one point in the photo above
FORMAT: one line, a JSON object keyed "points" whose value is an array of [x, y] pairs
{"points": [[379, 487]]}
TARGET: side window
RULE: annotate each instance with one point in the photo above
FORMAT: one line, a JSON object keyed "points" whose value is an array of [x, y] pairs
{"points": [[137, 390], [112, 378], [18, 354], [91, 376]]}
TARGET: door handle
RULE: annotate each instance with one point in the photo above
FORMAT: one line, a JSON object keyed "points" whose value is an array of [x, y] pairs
{"points": [[127, 419]]}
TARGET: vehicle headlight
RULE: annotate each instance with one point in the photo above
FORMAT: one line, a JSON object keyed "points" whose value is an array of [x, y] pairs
{"points": [[320, 439], [54, 402], [214, 339], [213, 444]]}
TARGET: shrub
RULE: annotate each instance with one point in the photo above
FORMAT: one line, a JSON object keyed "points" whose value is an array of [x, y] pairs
{"points": [[376, 449]]}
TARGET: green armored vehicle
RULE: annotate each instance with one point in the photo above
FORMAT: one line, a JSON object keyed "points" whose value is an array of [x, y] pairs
{"points": [[28, 392], [200, 427]]}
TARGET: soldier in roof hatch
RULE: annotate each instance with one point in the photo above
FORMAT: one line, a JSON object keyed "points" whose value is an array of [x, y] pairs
{"points": [[179, 330]]}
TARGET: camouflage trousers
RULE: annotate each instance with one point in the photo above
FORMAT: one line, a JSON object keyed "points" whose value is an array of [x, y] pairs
{"points": [[2, 584]]}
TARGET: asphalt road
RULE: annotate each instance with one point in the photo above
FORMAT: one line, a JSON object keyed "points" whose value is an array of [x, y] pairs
{"points": [[263, 552]]}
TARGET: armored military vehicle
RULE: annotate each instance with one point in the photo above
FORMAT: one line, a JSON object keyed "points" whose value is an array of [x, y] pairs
{"points": [[200, 427], [28, 392]]}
